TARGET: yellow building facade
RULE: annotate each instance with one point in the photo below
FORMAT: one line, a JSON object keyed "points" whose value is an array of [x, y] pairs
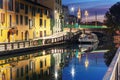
{"points": [[23, 20]]}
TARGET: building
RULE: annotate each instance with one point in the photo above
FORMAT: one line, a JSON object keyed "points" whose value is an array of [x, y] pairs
{"points": [[79, 16], [65, 12], [23, 20], [56, 6], [72, 19]]}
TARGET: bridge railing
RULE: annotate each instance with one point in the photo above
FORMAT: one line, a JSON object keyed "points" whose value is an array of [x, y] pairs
{"points": [[113, 72]]}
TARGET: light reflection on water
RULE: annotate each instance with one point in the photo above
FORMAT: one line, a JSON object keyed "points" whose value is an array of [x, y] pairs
{"points": [[66, 62]]}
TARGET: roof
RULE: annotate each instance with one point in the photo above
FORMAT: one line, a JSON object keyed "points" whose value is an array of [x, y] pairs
{"points": [[37, 4]]}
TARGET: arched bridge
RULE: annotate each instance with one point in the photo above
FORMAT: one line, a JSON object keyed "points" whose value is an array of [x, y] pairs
{"points": [[100, 32]]}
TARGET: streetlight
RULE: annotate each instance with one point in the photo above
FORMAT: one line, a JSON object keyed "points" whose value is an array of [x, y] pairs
{"points": [[86, 18], [55, 11], [72, 9]]}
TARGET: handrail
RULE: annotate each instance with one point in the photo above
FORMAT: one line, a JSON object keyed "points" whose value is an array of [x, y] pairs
{"points": [[35, 42], [112, 72]]}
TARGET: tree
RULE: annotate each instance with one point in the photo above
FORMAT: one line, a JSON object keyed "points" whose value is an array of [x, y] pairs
{"points": [[112, 17]]}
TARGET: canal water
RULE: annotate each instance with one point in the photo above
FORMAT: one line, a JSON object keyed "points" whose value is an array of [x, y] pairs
{"points": [[65, 62]]}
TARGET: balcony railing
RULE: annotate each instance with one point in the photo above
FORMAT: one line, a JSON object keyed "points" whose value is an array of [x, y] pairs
{"points": [[113, 72]]}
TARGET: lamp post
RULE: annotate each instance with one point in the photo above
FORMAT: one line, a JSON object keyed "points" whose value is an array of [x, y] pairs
{"points": [[86, 16], [86, 19], [72, 10]]}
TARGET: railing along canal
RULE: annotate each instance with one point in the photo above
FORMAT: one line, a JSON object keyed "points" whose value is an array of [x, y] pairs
{"points": [[34, 43], [113, 72]]}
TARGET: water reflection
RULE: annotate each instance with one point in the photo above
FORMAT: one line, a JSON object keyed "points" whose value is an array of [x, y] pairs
{"points": [[51, 64]]}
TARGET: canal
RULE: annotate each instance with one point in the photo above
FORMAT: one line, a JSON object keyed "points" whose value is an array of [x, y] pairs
{"points": [[65, 62]]}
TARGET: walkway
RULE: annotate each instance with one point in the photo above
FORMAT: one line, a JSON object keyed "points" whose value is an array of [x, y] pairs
{"points": [[50, 40]]}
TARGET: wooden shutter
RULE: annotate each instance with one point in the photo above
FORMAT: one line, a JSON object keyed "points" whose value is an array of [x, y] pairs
{"points": [[2, 17]]}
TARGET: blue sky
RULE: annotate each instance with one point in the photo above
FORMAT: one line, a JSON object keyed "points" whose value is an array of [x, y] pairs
{"points": [[99, 6]]}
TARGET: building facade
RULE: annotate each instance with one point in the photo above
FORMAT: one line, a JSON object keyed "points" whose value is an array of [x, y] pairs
{"points": [[72, 19], [56, 6], [65, 12], [23, 20]]}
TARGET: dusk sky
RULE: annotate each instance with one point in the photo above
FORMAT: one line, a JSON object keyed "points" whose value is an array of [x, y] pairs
{"points": [[93, 6]]}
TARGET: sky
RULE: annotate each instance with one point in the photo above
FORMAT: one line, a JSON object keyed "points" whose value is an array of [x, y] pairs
{"points": [[92, 6]]}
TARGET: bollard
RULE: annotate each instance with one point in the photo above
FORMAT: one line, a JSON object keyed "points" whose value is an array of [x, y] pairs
{"points": [[24, 44], [5, 46], [18, 45], [12, 45]]}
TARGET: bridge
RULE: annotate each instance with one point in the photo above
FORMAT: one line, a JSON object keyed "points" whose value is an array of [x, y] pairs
{"points": [[100, 31]]}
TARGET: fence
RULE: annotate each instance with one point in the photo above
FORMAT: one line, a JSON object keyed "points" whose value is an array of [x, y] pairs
{"points": [[113, 72]]}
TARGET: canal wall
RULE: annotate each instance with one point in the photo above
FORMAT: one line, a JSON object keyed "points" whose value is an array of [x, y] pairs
{"points": [[31, 45], [32, 48]]}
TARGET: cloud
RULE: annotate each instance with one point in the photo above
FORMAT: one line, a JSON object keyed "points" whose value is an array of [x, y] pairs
{"points": [[92, 18]]}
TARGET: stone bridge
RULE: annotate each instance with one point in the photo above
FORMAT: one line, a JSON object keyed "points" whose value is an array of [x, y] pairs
{"points": [[102, 33]]}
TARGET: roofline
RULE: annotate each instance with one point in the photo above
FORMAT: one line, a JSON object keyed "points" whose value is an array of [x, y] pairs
{"points": [[37, 4]]}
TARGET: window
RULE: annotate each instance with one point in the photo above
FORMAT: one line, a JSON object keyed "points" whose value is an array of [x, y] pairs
{"points": [[17, 32], [22, 71], [10, 20], [21, 6], [30, 65], [40, 22], [33, 11], [45, 62], [41, 13], [1, 3], [30, 23], [17, 73], [16, 7], [10, 5], [26, 9], [1, 32], [26, 20], [41, 64], [40, 33], [26, 68], [45, 33], [38, 11], [60, 2], [45, 11], [44, 23], [2, 17], [30, 9], [17, 19], [21, 19], [56, 1]]}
